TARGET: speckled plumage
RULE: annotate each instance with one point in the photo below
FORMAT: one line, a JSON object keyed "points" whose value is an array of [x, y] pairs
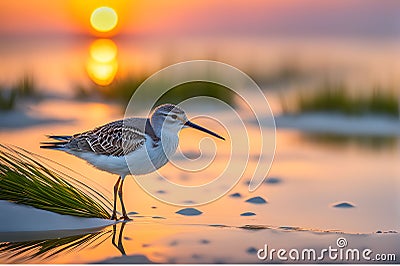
{"points": [[117, 138]]}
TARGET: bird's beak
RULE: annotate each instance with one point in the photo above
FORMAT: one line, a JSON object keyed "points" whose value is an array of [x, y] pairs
{"points": [[193, 125]]}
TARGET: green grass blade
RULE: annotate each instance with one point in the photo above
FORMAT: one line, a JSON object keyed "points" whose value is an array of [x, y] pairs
{"points": [[24, 179]]}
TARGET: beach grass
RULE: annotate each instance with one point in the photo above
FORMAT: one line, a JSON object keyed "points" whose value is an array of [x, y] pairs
{"points": [[333, 141], [7, 99], [330, 97], [24, 179], [24, 87], [288, 71]]}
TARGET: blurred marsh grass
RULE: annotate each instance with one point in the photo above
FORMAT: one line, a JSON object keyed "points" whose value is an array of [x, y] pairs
{"points": [[24, 87], [122, 89], [334, 141], [289, 70], [332, 97], [24, 179]]}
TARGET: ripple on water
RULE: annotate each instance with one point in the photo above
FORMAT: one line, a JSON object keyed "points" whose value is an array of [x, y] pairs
{"points": [[189, 202], [196, 256], [256, 200], [218, 225], [158, 217], [189, 212]]}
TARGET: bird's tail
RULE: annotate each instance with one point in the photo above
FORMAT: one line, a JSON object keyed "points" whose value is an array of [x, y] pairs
{"points": [[55, 145]]}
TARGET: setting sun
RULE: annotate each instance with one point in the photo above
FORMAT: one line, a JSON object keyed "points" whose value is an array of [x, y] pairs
{"points": [[104, 19]]}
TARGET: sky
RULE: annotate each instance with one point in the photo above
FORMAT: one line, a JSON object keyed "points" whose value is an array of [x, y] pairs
{"points": [[205, 18]]}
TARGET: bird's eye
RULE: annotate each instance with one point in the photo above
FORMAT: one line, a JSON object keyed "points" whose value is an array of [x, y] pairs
{"points": [[174, 116]]}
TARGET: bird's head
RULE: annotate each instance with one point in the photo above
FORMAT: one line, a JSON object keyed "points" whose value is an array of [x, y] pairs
{"points": [[173, 119]]}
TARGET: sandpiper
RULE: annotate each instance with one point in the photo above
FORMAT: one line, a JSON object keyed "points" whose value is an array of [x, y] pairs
{"points": [[134, 146]]}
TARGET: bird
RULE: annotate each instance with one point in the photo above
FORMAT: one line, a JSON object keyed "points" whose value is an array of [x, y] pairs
{"points": [[130, 146]]}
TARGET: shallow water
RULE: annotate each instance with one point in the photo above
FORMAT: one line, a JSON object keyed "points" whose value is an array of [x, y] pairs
{"points": [[312, 172], [150, 240], [305, 182]]}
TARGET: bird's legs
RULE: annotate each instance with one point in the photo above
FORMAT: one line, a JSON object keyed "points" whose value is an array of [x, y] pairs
{"points": [[124, 214], [114, 215]]}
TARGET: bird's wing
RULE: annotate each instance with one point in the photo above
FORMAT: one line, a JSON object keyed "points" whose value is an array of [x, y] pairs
{"points": [[116, 138]]}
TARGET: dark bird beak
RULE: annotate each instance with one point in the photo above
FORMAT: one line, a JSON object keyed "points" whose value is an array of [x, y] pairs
{"points": [[193, 125]]}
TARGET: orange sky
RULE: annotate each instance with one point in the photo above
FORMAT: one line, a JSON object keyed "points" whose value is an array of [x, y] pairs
{"points": [[206, 17]]}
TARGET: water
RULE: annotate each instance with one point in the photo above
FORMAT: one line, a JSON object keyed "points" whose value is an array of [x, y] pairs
{"points": [[361, 63], [315, 172]]}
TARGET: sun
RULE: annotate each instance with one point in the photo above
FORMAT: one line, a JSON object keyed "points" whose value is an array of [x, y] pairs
{"points": [[104, 19]]}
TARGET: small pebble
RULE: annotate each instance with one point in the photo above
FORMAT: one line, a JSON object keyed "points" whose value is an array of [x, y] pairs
{"points": [[247, 214], [252, 250], [343, 205], [257, 200], [189, 212]]}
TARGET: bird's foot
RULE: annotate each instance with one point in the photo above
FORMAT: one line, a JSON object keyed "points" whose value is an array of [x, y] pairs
{"points": [[114, 217]]}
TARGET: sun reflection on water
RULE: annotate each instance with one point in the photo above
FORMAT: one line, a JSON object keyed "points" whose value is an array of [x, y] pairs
{"points": [[102, 65]]}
